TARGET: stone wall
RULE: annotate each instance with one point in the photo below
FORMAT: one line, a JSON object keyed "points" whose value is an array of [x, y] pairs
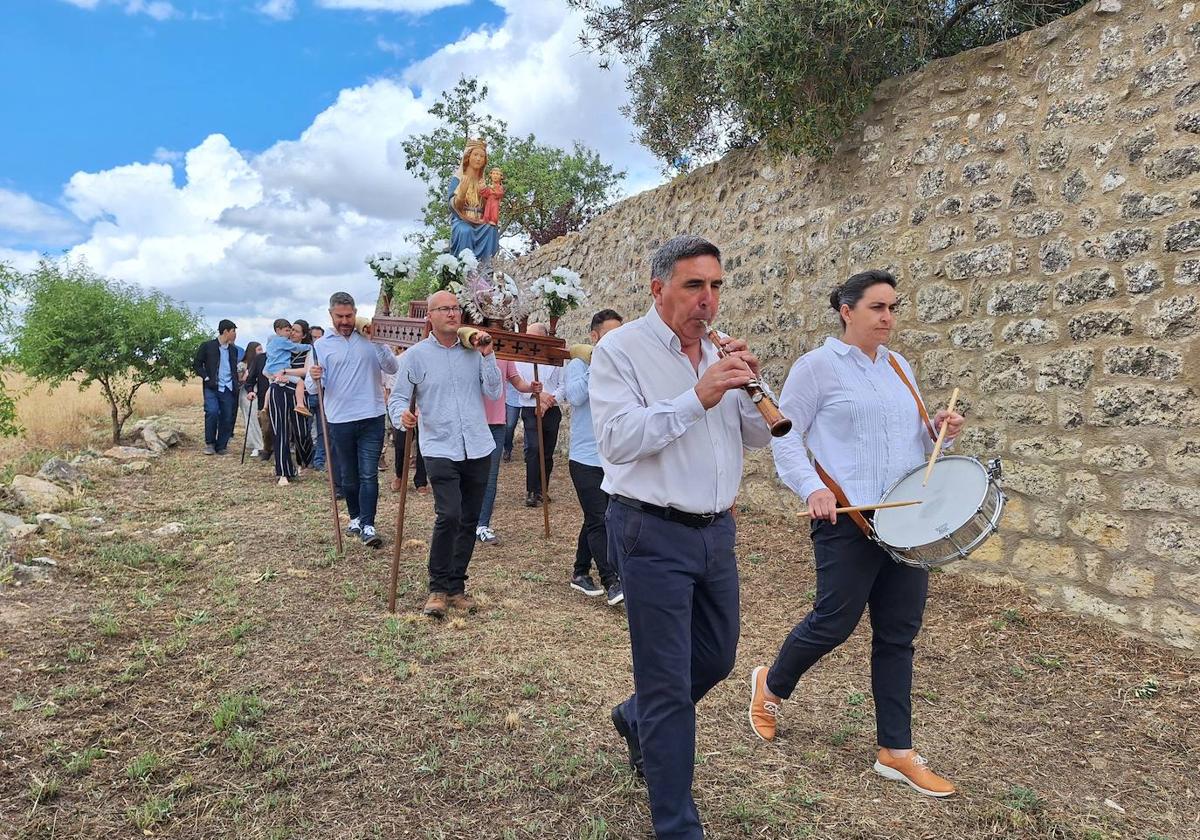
{"points": [[1039, 201]]}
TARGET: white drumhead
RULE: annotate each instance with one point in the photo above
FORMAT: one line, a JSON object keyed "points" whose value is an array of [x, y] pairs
{"points": [[954, 494]]}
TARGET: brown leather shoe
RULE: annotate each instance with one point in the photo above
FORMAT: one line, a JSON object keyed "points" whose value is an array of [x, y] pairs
{"points": [[397, 484], [914, 771], [763, 712], [462, 601], [435, 605]]}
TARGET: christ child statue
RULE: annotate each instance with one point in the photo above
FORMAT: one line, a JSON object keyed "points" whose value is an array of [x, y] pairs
{"points": [[491, 198]]}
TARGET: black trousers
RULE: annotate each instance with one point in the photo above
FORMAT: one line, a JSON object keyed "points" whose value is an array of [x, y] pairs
{"points": [[458, 488], [592, 545], [550, 422], [681, 600], [283, 409], [853, 573], [420, 479]]}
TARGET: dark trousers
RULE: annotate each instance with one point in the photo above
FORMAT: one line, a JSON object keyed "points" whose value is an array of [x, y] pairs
{"points": [[283, 408], [220, 413], [358, 444], [302, 436], [458, 488], [420, 478], [318, 437], [550, 422], [593, 536], [681, 601], [489, 495], [852, 573]]}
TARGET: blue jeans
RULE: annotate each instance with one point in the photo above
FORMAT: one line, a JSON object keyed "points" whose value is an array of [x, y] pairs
{"points": [[220, 411], [318, 461], [512, 416], [681, 600], [358, 444], [489, 495]]}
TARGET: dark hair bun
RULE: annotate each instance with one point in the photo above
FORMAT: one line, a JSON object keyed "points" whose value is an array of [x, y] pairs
{"points": [[833, 298]]}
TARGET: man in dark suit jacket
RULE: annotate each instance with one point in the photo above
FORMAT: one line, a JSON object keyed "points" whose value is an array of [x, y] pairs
{"points": [[216, 365]]}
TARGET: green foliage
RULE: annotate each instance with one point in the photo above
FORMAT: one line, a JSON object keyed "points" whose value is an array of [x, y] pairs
{"points": [[547, 191], [8, 407], [85, 328], [706, 76]]}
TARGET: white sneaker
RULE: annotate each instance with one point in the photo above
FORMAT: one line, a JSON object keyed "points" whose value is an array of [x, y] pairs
{"points": [[353, 529], [282, 482], [486, 535], [370, 538], [253, 453]]}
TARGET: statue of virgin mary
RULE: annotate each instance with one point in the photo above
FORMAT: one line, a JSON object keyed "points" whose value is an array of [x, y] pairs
{"points": [[467, 227]]}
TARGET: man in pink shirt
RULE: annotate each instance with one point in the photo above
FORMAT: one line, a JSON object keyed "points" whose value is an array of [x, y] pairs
{"points": [[495, 411]]}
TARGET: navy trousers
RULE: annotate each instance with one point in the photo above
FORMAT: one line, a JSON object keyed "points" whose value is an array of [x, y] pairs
{"points": [[852, 573], [220, 414], [681, 601]]}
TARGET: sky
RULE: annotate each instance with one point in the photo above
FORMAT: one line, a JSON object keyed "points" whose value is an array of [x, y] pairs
{"points": [[243, 156]]}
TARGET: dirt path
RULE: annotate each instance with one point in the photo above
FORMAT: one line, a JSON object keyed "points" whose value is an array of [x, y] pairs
{"points": [[237, 681]]}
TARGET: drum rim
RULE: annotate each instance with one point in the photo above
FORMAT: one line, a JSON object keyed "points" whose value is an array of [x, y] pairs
{"points": [[919, 468]]}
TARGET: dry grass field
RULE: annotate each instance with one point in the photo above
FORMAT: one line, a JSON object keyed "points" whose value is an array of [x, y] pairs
{"points": [[68, 418], [242, 681]]}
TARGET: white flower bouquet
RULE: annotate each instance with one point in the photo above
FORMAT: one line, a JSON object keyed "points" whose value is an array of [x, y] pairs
{"points": [[560, 291]]}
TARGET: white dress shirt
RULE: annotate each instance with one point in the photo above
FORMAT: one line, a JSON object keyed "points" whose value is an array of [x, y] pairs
{"points": [[551, 377], [858, 418], [352, 370], [657, 442]]}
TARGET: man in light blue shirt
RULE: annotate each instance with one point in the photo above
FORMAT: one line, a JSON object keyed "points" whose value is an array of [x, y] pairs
{"points": [[448, 382], [587, 474], [351, 369]]}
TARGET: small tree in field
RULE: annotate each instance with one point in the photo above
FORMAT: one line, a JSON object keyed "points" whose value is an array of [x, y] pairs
{"points": [[83, 327]]}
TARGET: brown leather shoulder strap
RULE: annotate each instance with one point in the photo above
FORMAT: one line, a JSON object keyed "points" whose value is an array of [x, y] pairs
{"points": [[840, 495], [916, 398]]}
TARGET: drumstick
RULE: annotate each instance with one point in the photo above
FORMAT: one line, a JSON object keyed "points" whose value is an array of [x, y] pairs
{"points": [[856, 508], [937, 447]]}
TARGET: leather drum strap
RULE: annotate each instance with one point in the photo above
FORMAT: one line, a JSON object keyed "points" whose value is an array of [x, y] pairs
{"points": [[840, 496], [917, 399]]}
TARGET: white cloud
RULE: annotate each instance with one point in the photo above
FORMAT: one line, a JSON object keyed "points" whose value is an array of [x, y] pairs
{"points": [[254, 237], [157, 9], [390, 47], [411, 6], [278, 9], [24, 219]]}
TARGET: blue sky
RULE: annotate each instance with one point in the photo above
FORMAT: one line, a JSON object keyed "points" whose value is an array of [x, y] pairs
{"points": [[104, 76], [243, 156]]}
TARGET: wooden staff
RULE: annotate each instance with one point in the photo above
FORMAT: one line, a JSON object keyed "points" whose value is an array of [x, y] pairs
{"points": [[857, 508], [329, 465], [537, 410], [408, 440], [937, 446], [246, 436]]}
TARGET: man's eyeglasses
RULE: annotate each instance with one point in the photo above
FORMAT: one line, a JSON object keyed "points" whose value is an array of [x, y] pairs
{"points": [[446, 309]]}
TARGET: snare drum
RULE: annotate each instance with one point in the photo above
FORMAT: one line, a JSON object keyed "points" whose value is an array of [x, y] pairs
{"points": [[960, 508]]}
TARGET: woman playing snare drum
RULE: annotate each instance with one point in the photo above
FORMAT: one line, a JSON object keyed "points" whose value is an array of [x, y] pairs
{"points": [[855, 404]]}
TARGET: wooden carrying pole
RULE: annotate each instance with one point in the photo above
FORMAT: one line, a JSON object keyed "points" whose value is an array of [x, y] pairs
{"points": [[408, 442], [937, 446], [537, 410], [329, 465]]}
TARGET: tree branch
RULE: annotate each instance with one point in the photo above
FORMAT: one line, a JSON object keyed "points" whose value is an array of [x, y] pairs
{"points": [[961, 12]]}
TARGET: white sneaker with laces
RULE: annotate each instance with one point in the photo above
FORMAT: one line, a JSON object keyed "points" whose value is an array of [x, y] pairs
{"points": [[486, 535], [369, 537]]}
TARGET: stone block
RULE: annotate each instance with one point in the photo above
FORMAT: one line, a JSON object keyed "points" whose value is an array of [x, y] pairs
{"points": [[1122, 244], [1132, 580], [1029, 331], [938, 302], [1055, 256], [1039, 558], [1165, 73], [39, 494], [1005, 372], [1122, 457], [1144, 360], [942, 237], [1100, 322], [1036, 223], [1070, 369], [1174, 164], [1103, 529], [1046, 522], [987, 261], [1078, 600], [1085, 287], [1136, 206], [1183, 457], [982, 442], [1183, 237], [1186, 585], [1036, 480], [1023, 410], [1156, 494], [1047, 448], [1175, 540], [1083, 487], [1022, 193], [1018, 297], [1146, 405], [1179, 626], [1143, 278], [1174, 317], [1187, 273]]}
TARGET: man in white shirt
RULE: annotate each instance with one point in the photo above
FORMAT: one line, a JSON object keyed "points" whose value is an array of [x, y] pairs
{"points": [[671, 420]]}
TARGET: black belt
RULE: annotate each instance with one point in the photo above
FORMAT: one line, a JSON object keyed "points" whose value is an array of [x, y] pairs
{"points": [[692, 520]]}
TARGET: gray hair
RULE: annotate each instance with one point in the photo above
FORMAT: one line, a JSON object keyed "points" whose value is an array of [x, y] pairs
{"points": [[341, 299], [662, 264]]}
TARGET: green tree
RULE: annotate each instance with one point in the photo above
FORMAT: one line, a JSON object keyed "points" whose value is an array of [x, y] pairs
{"points": [[81, 327], [706, 76], [9, 427], [548, 191]]}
